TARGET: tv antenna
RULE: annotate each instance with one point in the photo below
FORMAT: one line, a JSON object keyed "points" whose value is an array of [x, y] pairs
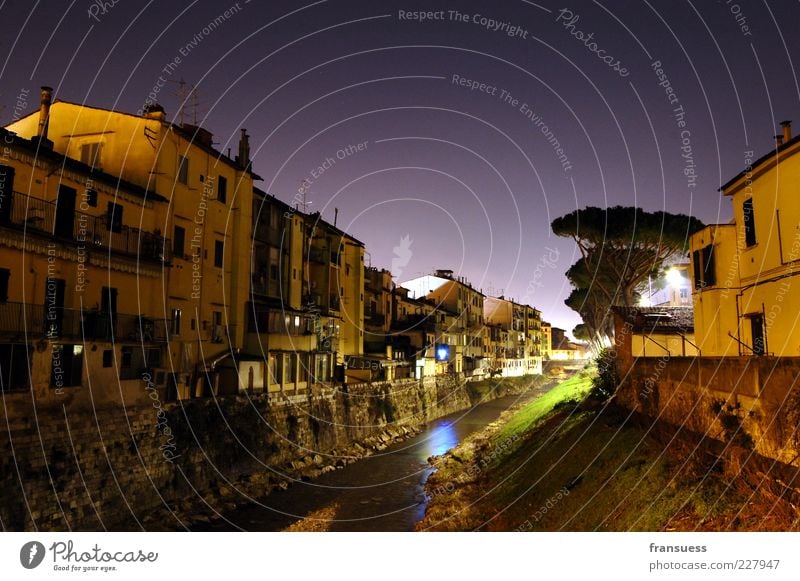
{"points": [[189, 103], [300, 199]]}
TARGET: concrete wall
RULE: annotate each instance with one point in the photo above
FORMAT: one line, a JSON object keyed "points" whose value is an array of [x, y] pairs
{"points": [[79, 469], [745, 402]]}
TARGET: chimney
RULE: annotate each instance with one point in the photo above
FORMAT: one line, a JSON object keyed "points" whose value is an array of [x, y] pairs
{"points": [[778, 140], [154, 111], [44, 118], [244, 149], [787, 131], [44, 112]]}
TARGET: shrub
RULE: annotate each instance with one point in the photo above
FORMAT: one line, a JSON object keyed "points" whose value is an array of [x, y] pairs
{"points": [[605, 383]]}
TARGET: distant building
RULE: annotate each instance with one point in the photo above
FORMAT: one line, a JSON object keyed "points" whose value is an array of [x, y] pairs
{"points": [[521, 325], [458, 300], [563, 349], [547, 340], [672, 289], [655, 331]]}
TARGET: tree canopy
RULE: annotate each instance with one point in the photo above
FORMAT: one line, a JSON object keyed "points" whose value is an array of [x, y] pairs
{"points": [[620, 247]]}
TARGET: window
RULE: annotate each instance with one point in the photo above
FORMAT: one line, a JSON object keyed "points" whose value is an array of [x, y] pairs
{"points": [[293, 368], [276, 368], [108, 358], [6, 191], [302, 372], [178, 241], [704, 267], [153, 357], [709, 270], [132, 361], [219, 252], [222, 189], [183, 170], [90, 154], [14, 367], [217, 332], [697, 268], [757, 333], [749, 223], [322, 372], [90, 197], [67, 366], [126, 358], [175, 325], [274, 268], [114, 217], [5, 275]]}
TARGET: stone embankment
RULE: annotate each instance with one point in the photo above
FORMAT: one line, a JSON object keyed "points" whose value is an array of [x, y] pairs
{"points": [[159, 468]]}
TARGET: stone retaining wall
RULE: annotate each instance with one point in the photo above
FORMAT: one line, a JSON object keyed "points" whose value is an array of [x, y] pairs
{"points": [[79, 469], [750, 404]]}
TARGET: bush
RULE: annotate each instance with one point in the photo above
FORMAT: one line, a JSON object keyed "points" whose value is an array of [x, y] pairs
{"points": [[605, 383]]}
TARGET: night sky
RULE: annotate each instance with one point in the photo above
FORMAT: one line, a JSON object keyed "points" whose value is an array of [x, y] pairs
{"points": [[447, 176]]}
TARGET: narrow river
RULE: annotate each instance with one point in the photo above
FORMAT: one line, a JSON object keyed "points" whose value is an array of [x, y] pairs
{"points": [[384, 492]]}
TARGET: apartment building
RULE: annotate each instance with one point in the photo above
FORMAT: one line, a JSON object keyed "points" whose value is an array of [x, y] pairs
{"points": [[83, 257], [744, 273]]}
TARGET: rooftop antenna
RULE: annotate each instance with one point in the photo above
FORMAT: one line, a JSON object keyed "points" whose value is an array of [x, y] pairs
{"points": [[305, 185], [188, 101], [335, 216]]}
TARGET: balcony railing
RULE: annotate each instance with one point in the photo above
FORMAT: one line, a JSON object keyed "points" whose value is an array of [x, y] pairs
{"points": [[37, 215], [376, 319], [33, 322]]}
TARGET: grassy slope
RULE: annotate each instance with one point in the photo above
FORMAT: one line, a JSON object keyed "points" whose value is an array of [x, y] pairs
{"points": [[571, 467]]}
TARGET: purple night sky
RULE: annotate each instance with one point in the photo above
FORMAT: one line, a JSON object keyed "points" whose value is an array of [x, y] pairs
{"points": [[446, 176]]}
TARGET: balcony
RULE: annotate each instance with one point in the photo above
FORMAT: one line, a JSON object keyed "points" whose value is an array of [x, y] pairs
{"points": [[31, 322], [317, 255], [36, 215], [376, 319]]}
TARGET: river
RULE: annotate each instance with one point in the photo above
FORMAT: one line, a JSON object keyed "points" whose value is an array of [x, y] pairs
{"points": [[384, 492]]}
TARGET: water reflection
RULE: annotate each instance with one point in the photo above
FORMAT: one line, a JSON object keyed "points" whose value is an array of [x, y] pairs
{"points": [[384, 492], [442, 437]]}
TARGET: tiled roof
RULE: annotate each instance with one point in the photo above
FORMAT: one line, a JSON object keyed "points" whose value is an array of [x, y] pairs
{"points": [[657, 319]]}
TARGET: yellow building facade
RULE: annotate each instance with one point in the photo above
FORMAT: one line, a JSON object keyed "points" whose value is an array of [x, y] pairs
{"points": [[746, 291], [208, 218], [83, 255]]}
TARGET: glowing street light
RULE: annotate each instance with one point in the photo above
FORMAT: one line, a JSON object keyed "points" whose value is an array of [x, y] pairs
{"points": [[674, 277]]}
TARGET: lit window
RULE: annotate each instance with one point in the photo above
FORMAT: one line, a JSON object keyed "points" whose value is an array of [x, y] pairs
{"points": [[90, 154]]}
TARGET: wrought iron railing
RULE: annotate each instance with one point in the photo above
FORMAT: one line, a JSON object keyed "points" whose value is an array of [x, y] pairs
{"points": [[32, 322], [37, 215]]}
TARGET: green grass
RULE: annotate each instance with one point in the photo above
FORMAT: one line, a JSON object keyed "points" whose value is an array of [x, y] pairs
{"points": [[485, 389], [573, 389], [617, 477]]}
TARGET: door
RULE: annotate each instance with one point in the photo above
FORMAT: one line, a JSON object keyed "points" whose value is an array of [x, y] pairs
{"points": [[757, 333], [65, 212], [54, 306], [6, 192]]}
